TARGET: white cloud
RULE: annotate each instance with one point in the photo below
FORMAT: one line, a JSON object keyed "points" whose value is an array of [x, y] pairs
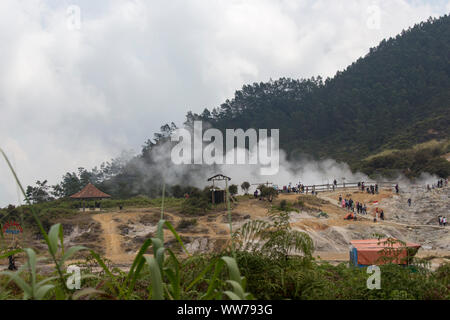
{"points": [[77, 98]]}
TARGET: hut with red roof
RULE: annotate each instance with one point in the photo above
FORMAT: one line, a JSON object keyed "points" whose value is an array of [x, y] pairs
{"points": [[90, 192]]}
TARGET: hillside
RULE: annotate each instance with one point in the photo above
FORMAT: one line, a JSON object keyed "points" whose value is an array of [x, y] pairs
{"points": [[395, 97]]}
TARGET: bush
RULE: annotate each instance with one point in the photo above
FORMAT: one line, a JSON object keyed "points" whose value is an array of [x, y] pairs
{"points": [[233, 189], [198, 202], [245, 186]]}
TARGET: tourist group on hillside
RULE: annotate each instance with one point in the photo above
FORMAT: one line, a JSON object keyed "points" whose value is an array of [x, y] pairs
{"points": [[441, 183]]}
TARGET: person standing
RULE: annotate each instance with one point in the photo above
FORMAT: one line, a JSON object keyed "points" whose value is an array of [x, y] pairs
{"points": [[440, 220], [409, 202], [396, 188], [444, 221]]}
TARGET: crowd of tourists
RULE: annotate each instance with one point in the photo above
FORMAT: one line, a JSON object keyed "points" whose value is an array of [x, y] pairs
{"points": [[297, 188], [441, 183]]}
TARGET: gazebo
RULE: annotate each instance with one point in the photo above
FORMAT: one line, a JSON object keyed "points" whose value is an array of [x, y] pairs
{"points": [[90, 192]]}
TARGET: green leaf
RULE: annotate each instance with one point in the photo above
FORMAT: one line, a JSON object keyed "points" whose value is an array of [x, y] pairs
{"points": [[25, 287], [160, 230], [160, 257], [213, 283], [233, 269], [237, 289], [176, 235], [138, 258], [69, 253], [42, 291], [10, 253], [53, 236], [102, 264], [174, 276], [156, 279], [31, 255], [157, 244], [232, 295], [201, 275]]}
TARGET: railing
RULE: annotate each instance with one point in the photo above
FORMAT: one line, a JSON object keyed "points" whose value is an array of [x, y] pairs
{"points": [[348, 185]]}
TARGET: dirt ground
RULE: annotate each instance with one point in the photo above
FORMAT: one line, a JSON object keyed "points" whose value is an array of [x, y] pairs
{"points": [[332, 234], [118, 235]]}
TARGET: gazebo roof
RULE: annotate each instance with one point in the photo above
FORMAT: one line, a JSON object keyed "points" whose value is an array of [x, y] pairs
{"points": [[219, 177], [90, 192]]}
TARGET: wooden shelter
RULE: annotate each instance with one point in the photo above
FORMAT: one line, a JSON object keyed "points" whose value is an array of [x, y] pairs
{"points": [[90, 192], [217, 195]]}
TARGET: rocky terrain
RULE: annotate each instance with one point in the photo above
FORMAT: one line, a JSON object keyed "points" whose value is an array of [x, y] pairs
{"points": [[118, 235]]}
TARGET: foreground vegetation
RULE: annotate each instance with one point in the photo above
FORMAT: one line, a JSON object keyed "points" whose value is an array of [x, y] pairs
{"points": [[268, 272], [264, 260]]}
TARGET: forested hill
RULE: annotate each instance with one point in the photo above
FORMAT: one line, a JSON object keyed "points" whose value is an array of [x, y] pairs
{"points": [[396, 96]]}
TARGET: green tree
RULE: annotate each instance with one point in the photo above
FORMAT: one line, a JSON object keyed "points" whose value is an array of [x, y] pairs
{"points": [[233, 189], [245, 186], [40, 193]]}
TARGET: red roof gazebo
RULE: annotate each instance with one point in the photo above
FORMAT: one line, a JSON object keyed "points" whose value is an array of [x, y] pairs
{"points": [[90, 192]]}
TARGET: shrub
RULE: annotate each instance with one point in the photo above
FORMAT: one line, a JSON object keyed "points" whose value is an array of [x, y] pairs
{"points": [[245, 186], [233, 189]]}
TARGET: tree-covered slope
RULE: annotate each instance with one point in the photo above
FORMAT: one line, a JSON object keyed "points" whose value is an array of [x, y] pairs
{"points": [[396, 96]]}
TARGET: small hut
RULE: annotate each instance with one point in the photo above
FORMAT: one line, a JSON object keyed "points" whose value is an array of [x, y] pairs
{"points": [[90, 192], [218, 195]]}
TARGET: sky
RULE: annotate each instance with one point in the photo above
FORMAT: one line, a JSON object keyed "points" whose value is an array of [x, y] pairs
{"points": [[81, 81]]}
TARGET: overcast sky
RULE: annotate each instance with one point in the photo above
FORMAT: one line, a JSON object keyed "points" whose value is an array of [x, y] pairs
{"points": [[76, 94]]}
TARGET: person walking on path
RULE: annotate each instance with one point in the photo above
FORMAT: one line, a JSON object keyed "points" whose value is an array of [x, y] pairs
{"points": [[409, 202]]}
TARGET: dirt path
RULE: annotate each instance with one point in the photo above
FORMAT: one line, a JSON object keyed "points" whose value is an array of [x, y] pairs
{"points": [[111, 236]]}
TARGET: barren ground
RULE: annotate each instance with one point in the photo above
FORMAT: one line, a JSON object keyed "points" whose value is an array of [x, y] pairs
{"points": [[118, 235]]}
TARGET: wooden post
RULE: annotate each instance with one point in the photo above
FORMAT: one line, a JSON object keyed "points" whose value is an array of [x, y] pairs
{"points": [[226, 193], [212, 194]]}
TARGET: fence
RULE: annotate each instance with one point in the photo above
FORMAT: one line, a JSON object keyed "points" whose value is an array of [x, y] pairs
{"points": [[349, 185]]}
